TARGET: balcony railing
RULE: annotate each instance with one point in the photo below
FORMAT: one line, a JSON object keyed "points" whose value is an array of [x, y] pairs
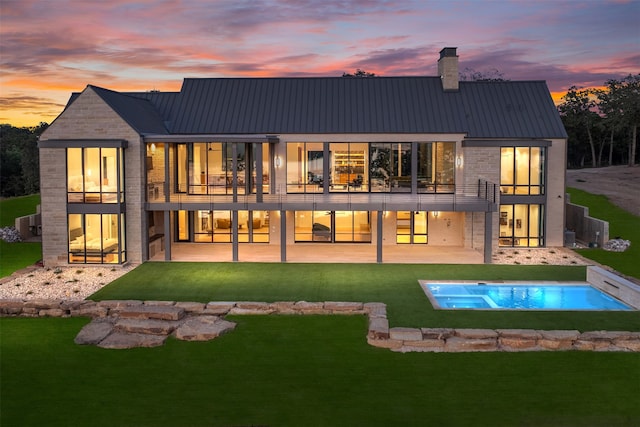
{"points": [[480, 196]]}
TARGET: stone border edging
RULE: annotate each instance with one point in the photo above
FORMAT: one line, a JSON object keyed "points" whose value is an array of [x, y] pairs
{"points": [[162, 318]]}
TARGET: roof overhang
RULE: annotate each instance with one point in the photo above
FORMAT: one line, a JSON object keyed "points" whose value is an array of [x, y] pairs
{"points": [[82, 143], [252, 138], [471, 142]]}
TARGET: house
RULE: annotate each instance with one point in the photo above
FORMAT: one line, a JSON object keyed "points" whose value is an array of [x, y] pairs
{"points": [[235, 167]]}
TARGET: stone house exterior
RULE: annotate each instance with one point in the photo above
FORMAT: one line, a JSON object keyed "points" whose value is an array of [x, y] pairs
{"points": [[290, 165]]}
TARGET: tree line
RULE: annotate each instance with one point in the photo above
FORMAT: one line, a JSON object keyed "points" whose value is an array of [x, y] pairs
{"points": [[602, 123], [19, 160]]}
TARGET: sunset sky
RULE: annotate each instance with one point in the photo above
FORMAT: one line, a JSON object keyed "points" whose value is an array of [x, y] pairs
{"points": [[51, 48]]}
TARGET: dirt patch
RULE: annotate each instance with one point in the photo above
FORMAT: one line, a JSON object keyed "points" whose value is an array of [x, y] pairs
{"points": [[621, 184]]}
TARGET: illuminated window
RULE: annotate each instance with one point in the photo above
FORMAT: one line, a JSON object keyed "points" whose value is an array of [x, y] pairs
{"points": [[338, 226], [521, 225], [522, 170], [411, 227], [96, 238], [95, 175]]}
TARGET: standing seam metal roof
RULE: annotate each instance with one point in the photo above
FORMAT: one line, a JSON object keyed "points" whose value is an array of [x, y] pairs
{"points": [[519, 109]]}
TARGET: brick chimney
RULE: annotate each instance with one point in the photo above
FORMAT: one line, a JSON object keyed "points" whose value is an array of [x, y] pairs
{"points": [[448, 68]]}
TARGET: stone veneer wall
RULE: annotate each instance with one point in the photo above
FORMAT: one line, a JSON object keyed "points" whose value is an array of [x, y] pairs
{"points": [[379, 333], [89, 117]]}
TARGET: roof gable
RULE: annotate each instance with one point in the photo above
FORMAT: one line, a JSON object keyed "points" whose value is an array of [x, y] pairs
{"points": [[139, 113]]}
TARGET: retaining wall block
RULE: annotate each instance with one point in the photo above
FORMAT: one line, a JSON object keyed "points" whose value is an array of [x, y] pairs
{"points": [[11, 307], [219, 308], [375, 309], [405, 334], [344, 307], [284, 307], [378, 328], [437, 333], [558, 340], [459, 344], [389, 344], [191, 307], [423, 346]]}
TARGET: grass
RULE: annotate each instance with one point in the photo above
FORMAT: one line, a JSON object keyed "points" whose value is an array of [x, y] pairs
{"points": [[301, 370], [621, 224], [394, 284], [14, 256]]}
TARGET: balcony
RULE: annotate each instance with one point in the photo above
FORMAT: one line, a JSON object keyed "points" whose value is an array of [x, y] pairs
{"points": [[479, 197]]}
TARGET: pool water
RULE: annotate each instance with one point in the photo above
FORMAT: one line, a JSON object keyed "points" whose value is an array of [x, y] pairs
{"points": [[522, 297]]}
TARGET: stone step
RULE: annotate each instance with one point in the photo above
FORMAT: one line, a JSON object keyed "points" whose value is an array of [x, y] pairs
{"points": [[160, 312], [147, 326]]}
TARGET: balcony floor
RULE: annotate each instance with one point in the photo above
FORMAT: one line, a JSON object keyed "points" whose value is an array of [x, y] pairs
{"points": [[324, 253]]}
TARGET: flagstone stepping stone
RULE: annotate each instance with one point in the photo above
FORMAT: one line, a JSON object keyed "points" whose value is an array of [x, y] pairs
{"points": [[147, 326], [203, 328], [94, 332], [124, 340]]}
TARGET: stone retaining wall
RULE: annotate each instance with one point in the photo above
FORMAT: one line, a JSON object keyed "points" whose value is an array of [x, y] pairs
{"points": [[379, 334]]}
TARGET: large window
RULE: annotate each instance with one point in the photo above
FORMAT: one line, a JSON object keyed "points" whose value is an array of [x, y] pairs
{"points": [[96, 238], [305, 167], [95, 175], [208, 168], [521, 225], [522, 170], [349, 171], [217, 226], [338, 226], [436, 162], [411, 227]]}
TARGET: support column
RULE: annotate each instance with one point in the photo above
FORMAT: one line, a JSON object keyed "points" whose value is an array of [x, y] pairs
{"points": [[167, 235], [259, 172], [234, 235], [283, 236], [488, 237], [379, 237]]}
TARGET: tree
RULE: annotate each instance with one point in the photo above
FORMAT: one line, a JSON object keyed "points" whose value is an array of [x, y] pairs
{"points": [[491, 75], [19, 160], [577, 111], [625, 104], [359, 73]]}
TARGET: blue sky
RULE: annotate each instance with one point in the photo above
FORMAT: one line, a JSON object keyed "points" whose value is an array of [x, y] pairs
{"points": [[50, 48]]}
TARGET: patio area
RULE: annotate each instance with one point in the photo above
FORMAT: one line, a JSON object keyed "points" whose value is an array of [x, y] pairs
{"points": [[320, 253]]}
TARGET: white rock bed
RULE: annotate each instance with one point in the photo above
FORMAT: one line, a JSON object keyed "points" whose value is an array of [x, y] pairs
{"points": [[79, 282], [68, 283]]}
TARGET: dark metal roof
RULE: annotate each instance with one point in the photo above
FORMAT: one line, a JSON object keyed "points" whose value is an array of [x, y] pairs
{"points": [[317, 105], [519, 109], [139, 113]]}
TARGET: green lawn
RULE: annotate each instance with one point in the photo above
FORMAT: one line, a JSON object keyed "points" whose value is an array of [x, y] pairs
{"points": [[14, 256], [621, 224], [394, 284], [301, 371]]}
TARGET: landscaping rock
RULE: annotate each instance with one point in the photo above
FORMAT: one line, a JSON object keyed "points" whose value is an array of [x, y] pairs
{"points": [[192, 307], [344, 307], [219, 308], [378, 328], [123, 340], [252, 308], [459, 344], [152, 312], [405, 334], [375, 309], [146, 326], [203, 328], [437, 333], [11, 307], [94, 332], [476, 333]]}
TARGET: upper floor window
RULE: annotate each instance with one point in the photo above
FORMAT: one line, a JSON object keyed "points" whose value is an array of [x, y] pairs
{"points": [[522, 170], [95, 175], [208, 168]]}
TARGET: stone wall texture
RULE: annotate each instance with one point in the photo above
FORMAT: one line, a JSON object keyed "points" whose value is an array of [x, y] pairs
{"points": [[124, 324]]}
